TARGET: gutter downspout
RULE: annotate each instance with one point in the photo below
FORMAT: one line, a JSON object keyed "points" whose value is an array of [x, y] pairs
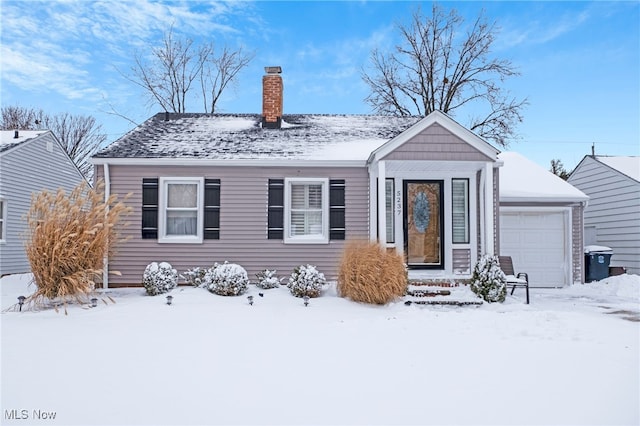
{"points": [[107, 194]]}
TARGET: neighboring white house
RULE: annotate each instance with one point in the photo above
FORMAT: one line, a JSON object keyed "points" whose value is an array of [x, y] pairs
{"points": [[30, 161], [612, 217], [540, 223]]}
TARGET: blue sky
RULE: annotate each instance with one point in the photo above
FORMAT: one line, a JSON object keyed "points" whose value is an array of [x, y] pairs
{"points": [[579, 61]]}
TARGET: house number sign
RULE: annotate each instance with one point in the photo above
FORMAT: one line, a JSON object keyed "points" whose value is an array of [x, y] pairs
{"points": [[398, 202]]}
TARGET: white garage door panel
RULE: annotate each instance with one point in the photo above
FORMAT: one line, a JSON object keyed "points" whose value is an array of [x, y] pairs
{"points": [[537, 243]]}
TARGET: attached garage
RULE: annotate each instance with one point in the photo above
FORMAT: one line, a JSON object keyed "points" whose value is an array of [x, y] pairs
{"points": [[538, 243], [540, 223]]}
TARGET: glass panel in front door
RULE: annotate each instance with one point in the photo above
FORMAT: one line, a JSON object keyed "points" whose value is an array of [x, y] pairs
{"points": [[423, 223]]}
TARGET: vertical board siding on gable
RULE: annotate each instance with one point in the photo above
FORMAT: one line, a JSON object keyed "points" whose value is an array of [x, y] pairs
{"points": [[243, 222], [26, 169], [614, 208], [436, 143]]}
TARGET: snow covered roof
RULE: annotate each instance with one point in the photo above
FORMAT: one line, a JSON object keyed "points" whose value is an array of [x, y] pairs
{"points": [[629, 166], [8, 139], [523, 180], [241, 137]]}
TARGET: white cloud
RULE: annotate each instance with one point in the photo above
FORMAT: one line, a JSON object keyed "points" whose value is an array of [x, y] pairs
{"points": [[540, 31], [62, 46]]}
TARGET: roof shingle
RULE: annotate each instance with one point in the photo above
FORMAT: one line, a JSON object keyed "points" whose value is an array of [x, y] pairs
{"points": [[240, 136]]}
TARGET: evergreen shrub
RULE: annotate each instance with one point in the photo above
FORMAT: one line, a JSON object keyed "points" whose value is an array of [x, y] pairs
{"points": [[159, 278], [488, 280], [227, 279], [306, 280]]}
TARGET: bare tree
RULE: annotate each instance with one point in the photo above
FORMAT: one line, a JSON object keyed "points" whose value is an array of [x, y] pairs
{"points": [[438, 67], [168, 75], [219, 72], [80, 135], [557, 168]]}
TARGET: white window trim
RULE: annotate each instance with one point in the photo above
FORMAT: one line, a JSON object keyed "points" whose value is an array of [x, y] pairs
{"points": [[3, 218], [162, 210], [306, 239]]}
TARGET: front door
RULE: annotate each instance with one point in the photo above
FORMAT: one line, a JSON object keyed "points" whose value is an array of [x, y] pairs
{"points": [[423, 223]]}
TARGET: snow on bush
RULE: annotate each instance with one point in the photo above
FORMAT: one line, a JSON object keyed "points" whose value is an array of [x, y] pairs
{"points": [[488, 280], [227, 279], [306, 280], [194, 276], [159, 278], [267, 279]]}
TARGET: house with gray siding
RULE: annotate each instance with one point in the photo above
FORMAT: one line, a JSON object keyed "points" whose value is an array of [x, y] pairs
{"points": [[30, 161], [612, 217], [276, 190]]}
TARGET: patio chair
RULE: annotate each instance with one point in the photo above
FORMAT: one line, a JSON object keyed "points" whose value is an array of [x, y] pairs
{"points": [[513, 280]]}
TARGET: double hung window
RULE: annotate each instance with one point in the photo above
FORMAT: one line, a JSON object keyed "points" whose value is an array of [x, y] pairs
{"points": [[306, 210], [181, 217]]}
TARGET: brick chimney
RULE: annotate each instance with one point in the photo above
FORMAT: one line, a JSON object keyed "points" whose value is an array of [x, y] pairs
{"points": [[272, 89]]}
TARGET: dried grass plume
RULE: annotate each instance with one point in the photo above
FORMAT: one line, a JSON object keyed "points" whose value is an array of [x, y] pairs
{"points": [[370, 274], [67, 238]]}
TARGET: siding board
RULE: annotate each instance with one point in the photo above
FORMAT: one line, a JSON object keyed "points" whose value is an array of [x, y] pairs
{"points": [[24, 170], [435, 143], [243, 222], [613, 209]]}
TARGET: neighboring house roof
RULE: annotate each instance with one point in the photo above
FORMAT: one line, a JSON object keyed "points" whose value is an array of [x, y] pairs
{"points": [[629, 166], [8, 139], [523, 180], [240, 137]]}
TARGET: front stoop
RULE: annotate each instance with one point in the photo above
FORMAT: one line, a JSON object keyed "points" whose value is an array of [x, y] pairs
{"points": [[421, 292]]}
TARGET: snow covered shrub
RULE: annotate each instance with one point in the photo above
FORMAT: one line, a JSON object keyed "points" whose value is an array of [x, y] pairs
{"points": [[306, 280], [267, 279], [488, 280], [159, 278], [227, 279], [67, 238], [370, 274], [194, 276]]}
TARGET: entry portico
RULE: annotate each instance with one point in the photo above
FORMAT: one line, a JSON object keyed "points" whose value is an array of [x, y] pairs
{"points": [[434, 197]]}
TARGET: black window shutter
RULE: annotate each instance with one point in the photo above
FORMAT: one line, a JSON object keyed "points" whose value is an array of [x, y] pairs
{"points": [[212, 209], [150, 208], [336, 209], [275, 210]]}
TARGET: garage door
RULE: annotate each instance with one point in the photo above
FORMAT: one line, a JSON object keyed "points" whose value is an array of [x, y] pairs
{"points": [[537, 242]]}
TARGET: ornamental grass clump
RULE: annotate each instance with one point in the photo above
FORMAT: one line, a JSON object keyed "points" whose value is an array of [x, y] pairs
{"points": [[370, 274], [488, 281], [227, 279], [159, 278], [67, 239], [306, 280]]}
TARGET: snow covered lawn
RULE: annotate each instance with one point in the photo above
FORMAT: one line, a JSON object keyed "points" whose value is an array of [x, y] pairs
{"points": [[571, 357]]}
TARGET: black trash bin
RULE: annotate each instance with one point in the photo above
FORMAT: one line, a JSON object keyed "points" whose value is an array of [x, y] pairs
{"points": [[596, 261]]}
